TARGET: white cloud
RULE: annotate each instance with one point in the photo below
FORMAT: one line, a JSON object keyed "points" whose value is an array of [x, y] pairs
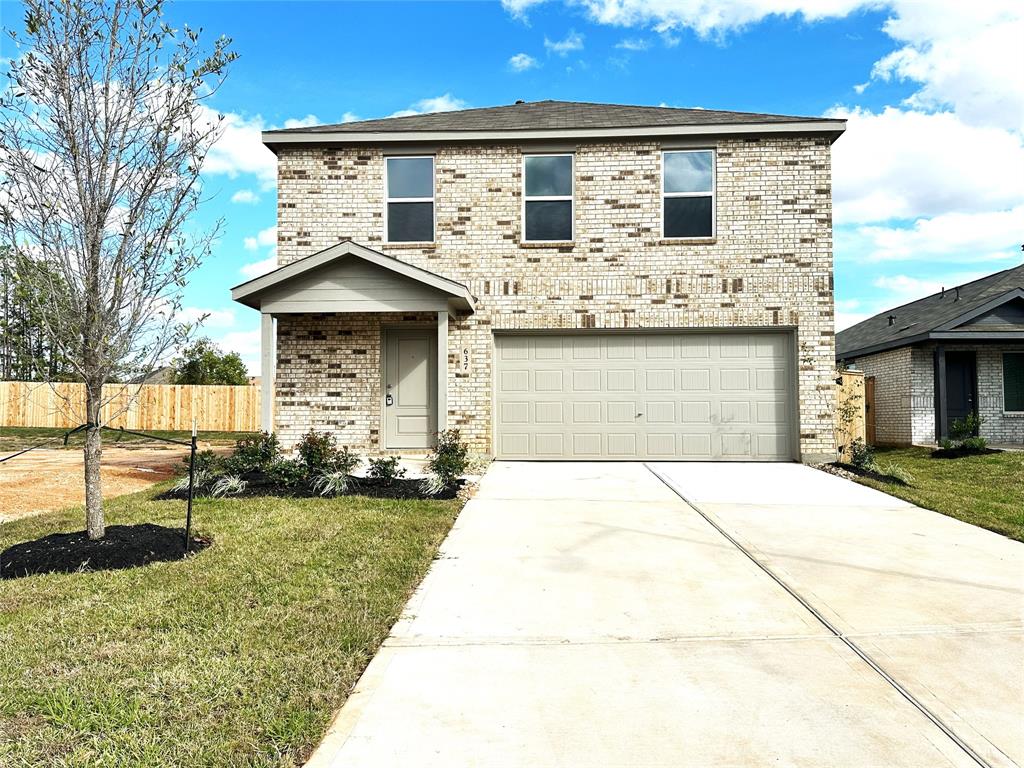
{"points": [[263, 238], [302, 122], [443, 103], [240, 149], [965, 237], [572, 42], [245, 196], [633, 44], [350, 117], [521, 62], [261, 267], [904, 165], [966, 56], [246, 344]]}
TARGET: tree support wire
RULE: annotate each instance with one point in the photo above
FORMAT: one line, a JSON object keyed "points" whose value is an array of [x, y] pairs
{"points": [[191, 444]]}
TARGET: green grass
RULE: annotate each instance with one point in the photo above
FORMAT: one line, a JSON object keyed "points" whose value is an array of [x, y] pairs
{"points": [[986, 490], [16, 438], [235, 657]]}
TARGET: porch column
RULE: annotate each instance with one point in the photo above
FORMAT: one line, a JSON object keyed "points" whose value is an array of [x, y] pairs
{"points": [[267, 372], [940, 392], [442, 370]]}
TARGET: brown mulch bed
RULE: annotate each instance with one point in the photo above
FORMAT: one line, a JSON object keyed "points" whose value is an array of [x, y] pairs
{"points": [[959, 453], [850, 472], [123, 546]]}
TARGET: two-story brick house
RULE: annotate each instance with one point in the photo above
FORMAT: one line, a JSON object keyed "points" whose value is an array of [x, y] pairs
{"points": [[558, 280]]}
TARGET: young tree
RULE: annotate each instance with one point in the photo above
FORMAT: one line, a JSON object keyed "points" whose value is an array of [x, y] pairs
{"points": [[103, 132], [202, 362]]}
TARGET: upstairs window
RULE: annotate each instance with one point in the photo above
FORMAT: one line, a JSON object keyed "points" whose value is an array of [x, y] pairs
{"points": [[547, 198], [688, 193], [410, 199], [1013, 381]]}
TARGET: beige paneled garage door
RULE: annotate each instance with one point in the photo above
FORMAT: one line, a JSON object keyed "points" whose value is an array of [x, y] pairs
{"points": [[725, 395]]}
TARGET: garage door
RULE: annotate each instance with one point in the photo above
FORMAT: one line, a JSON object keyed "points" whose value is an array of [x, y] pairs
{"points": [[626, 396]]}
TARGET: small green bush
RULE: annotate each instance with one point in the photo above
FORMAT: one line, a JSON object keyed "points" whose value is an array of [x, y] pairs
{"points": [[286, 472], [448, 461], [385, 469], [317, 451], [862, 456], [255, 453], [946, 444], [974, 444], [965, 428]]}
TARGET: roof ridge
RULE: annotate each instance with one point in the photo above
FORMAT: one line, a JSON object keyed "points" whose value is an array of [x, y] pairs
{"points": [[940, 292]]}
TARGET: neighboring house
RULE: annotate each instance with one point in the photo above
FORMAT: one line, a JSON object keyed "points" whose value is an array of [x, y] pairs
{"points": [[942, 357], [557, 280]]}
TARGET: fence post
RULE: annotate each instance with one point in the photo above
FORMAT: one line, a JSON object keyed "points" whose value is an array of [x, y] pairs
{"points": [[191, 485]]}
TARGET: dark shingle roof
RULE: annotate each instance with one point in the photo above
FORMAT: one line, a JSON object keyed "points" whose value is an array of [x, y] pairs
{"points": [[552, 115], [925, 315]]}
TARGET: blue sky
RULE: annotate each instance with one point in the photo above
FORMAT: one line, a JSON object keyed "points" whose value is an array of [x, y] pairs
{"points": [[929, 178]]}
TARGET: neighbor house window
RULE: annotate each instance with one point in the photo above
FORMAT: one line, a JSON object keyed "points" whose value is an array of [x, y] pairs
{"points": [[547, 198], [410, 199], [688, 193], [1013, 381]]}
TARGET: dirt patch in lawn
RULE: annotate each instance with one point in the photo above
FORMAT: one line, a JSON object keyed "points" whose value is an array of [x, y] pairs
{"points": [[47, 479], [123, 546]]}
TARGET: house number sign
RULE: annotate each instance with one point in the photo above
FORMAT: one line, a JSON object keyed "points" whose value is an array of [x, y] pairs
{"points": [[464, 360]]}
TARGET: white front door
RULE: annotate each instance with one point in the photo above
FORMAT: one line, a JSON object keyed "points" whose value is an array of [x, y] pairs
{"points": [[410, 383]]}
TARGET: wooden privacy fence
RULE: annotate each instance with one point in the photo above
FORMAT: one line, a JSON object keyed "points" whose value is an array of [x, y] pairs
{"points": [[850, 410], [133, 406]]}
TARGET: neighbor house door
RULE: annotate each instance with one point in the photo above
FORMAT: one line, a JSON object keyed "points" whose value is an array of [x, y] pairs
{"points": [[961, 386], [410, 381]]}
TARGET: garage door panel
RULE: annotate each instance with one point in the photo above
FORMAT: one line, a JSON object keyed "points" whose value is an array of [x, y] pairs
{"points": [[644, 396]]}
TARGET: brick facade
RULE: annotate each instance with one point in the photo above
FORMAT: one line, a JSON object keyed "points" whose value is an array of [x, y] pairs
{"points": [[770, 265], [905, 394]]}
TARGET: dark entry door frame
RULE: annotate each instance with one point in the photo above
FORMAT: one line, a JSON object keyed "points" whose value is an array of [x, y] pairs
{"points": [[956, 387]]}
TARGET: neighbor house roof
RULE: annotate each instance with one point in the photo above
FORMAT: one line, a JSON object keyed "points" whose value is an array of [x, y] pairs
{"points": [[941, 316], [553, 119]]}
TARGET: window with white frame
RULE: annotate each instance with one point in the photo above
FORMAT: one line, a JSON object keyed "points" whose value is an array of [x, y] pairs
{"points": [[547, 198], [1013, 381], [688, 193], [409, 211]]}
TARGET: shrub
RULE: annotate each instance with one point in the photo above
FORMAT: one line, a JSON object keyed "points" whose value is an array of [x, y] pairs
{"points": [[386, 469], [946, 444], [862, 456], [974, 444], [332, 483], [286, 472], [318, 451], [965, 428], [255, 453], [229, 485], [206, 461], [448, 461]]}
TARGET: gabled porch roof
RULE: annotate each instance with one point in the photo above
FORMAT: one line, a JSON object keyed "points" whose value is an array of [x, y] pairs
{"points": [[349, 277]]}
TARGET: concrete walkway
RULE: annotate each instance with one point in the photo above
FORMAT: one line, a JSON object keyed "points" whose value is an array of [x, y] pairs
{"points": [[585, 615]]}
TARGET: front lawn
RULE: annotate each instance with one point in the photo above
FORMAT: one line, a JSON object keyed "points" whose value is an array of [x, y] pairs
{"points": [[986, 490], [237, 656]]}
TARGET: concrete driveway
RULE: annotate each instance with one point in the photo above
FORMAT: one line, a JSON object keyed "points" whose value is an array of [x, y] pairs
{"points": [[587, 615]]}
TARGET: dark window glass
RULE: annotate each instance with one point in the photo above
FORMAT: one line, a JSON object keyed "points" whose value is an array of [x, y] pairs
{"points": [[549, 220], [688, 171], [410, 177], [549, 176], [687, 217], [410, 222], [1013, 381]]}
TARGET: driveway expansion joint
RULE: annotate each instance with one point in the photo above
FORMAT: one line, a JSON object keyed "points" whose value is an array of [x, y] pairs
{"points": [[846, 639]]}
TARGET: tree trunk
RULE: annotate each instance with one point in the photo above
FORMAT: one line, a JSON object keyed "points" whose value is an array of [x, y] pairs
{"points": [[93, 450]]}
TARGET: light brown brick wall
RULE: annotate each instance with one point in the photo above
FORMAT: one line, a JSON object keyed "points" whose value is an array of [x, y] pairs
{"points": [[769, 266], [893, 372]]}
